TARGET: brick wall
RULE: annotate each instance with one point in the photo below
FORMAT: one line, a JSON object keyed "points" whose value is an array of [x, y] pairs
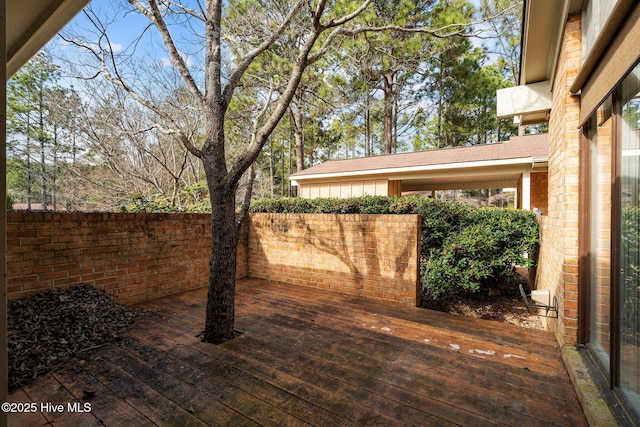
{"points": [[134, 257], [374, 256], [558, 268], [137, 257], [540, 191]]}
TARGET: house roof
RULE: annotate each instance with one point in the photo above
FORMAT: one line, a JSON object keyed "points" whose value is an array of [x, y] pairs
{"points": [[521, 149], [543, 25], [31, 24]]}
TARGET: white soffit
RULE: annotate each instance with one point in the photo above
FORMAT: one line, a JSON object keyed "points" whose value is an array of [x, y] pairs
{"points": [[413, 172], [524, 99], [543, 25], [32, 23]]}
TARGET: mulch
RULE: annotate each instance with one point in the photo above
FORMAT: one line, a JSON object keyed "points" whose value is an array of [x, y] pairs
{"points": [[53, 327], [504, 304]]}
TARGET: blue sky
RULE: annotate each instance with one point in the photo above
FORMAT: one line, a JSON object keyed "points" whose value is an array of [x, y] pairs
{"points": [[125, 28]]}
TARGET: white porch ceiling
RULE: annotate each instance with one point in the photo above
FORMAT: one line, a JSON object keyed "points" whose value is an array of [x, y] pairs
{"points": [[32, 23]]}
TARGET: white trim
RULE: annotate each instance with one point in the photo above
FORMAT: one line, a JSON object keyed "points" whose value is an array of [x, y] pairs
{"points": [[414, 169], [47, 19], [526, 190]]}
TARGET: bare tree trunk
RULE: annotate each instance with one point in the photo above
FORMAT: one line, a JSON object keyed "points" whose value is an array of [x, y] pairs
{"points": [[440, 85], [296, 119], [289, 167], [43, 169], [271, 169], [395, 124], [367, 132], [222, 266], [388, 111], [213, 101], [283, 173], [43, 178], [28, 148], [54, 193]]}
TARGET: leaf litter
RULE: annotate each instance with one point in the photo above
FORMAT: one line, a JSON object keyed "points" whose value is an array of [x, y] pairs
{"points": [[53, 327]]}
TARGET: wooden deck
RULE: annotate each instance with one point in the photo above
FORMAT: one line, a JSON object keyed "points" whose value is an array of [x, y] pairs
{"points": [[308, 357]]}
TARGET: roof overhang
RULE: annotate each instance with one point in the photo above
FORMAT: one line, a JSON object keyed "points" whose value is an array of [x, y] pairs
{"points": [[26, 26], [460, 176], [543, 25], [32, 23]]}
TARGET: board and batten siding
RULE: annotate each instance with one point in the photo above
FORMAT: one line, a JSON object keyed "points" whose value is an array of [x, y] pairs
{"points": [[343, 189]]}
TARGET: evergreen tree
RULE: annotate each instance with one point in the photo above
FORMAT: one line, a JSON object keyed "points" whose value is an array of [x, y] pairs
{"points": [[31, 127]]}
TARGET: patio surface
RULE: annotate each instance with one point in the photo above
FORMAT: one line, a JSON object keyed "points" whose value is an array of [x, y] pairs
{"points": [[310, 357]]}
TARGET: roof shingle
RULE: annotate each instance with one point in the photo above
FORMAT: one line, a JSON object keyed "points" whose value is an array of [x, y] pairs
{"points": [[528, 146]]}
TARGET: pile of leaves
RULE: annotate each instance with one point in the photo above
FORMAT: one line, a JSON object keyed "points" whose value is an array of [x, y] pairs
{"points": [[53, 327]]}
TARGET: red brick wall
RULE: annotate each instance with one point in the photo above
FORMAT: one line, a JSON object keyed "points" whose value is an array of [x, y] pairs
{"points": [[137, 257], [134, 257], [558, 268], [374, 256], [540, 191]]}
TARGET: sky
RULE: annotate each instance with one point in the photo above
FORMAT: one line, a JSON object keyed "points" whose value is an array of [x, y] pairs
{"points": [[124, 30]]}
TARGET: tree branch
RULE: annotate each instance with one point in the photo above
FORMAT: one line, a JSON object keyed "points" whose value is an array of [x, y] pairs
{"points": [[441, 32], [348, 18], [246, 61], [175, 57]]}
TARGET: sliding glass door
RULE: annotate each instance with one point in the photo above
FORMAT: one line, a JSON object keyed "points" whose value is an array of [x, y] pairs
{"points": [[600, 250], [629, 254], [613, 335]]}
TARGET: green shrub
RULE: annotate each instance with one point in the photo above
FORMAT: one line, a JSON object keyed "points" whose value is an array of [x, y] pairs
{"points": [[482, 254], [283, 206], [10, 200], [515, 231], [352, 205], [462, 249], [440, 219]]}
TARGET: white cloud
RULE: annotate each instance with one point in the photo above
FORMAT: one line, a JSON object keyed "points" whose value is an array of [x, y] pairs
{"points": [[166, 62], [115, 47]]}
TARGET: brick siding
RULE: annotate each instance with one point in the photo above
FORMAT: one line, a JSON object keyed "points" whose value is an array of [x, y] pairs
{"points": [[137, 257], [375, 256], [540, 191], [558, 268], [134, 257]]}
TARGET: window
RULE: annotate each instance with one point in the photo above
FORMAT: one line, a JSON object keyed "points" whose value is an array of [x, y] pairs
{"points": [[614, 240], [600, 251], [629, 283], [594, 15]]}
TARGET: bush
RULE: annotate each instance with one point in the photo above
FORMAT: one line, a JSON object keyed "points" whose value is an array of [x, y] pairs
{"points": [[352, 205], [463, 248], [440, 219], [10, 200]]}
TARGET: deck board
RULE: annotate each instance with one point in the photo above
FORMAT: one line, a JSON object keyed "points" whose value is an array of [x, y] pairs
{"points": [[311, 357]]}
